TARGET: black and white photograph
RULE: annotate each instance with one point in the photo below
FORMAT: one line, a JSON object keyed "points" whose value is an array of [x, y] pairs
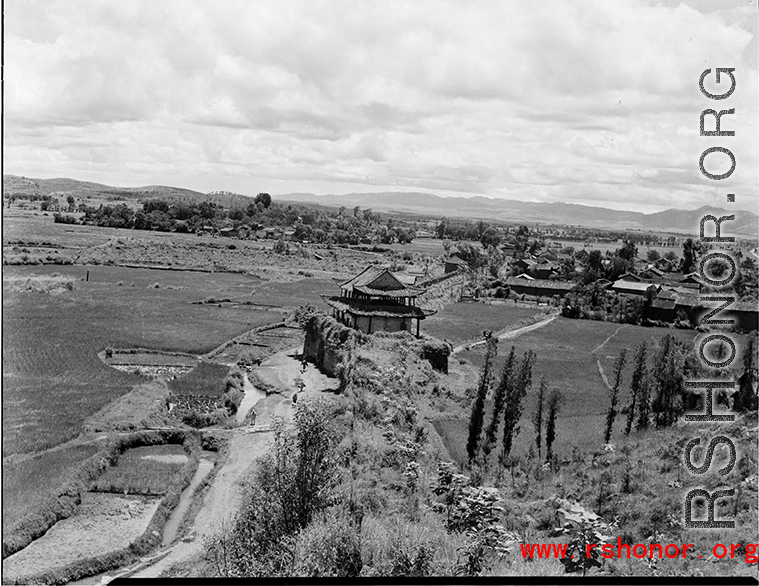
{"points": [[389, 291]]}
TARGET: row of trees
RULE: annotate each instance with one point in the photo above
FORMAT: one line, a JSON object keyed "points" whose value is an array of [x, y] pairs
{"points": [[309, 224], [509, 390], [657, 393]]}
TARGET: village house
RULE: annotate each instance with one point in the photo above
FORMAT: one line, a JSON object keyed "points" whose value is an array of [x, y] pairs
{"points": [[543, 270], [228, 232], [455, 263], [666, 265], [692, 280], [625, 287], [376, 300], [652, 273], [526, 285]]}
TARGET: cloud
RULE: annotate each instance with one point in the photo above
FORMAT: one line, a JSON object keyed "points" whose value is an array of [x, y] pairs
{"points": [[559, 101]]}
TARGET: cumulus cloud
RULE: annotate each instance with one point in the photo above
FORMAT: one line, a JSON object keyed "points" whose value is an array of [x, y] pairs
{"points": [[588, 102]]}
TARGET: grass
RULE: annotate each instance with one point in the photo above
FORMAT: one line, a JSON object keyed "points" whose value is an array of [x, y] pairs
{"points": [[206, 379], [27, 483], [135, 474], [460, 322]]}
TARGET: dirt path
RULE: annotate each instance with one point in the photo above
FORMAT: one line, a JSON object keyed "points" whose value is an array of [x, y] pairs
{"points": [[508, 335], [283, 368]]}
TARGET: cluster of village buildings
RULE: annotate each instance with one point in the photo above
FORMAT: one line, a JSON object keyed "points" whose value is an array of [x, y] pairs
{"points": [[673, 295]]}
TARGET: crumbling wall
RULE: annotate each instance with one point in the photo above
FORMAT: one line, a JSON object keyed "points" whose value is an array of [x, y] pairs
{"points": [[328, 343], [441, 291]]}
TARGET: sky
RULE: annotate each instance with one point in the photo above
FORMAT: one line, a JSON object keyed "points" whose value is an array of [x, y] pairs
{"points": [[593, 102]]}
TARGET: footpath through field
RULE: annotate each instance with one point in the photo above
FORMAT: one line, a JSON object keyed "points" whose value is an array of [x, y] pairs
{"points": [[509, 334]]}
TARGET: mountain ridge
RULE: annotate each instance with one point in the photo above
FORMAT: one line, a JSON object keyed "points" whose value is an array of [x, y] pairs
{"points": [[479, 207], [476, 207]]}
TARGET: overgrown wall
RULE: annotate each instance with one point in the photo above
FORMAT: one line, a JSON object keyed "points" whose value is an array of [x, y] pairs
{"points": [[328, 344]]}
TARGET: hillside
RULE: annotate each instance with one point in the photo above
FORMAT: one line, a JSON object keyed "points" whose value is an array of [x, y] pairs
{"points": [[479, 207], [25, 186]]}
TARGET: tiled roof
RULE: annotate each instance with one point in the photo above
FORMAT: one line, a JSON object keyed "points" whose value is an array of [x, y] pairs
{"points": [[541, 283], [632, 285], [378, 281]]}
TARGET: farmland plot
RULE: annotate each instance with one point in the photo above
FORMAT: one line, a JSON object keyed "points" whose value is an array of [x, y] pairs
{"points": [[460, 322], [27, 482], [52, 377], [567, 351], [103, 524]]}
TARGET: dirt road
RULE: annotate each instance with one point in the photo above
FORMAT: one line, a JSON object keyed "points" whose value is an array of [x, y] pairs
{"points": [[510, 333]]}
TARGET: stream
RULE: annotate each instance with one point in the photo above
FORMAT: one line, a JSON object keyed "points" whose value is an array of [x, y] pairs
{"points": [[252, 396], [175, 519]]}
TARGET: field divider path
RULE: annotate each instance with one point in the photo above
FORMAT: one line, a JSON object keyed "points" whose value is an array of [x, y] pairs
{"points": [[509, 333], [598, 360], [237, 339]]}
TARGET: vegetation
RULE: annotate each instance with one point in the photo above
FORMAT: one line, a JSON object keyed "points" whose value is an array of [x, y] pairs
{"points": [[136, 474], [638, 389], [517, 390], [46, 399], [478, 408], [552, 412], [291, 485], [62, 500], [619, 366], [537, 420]]}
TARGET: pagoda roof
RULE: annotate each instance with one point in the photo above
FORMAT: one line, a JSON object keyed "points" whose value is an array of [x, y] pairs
{"points": [[378, 281]]}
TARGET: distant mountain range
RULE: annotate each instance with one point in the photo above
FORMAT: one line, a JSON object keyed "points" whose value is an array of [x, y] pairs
{"points": [[425, 204], [478, 207]]}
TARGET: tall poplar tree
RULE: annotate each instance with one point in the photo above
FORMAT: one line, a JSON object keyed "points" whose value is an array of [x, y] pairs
{"points": [[478, 408], [619, 365], [499, 402], [522, 381], [639, 380], [552, 411], [537, 417]]}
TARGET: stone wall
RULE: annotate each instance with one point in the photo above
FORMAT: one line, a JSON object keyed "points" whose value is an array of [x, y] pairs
{"points": [[441, 291]]}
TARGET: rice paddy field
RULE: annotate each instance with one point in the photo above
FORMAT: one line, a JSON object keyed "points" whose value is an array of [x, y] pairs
{"points": [[52, 377], [26, 483], [147, 470], [206, 379], [567, 353]]}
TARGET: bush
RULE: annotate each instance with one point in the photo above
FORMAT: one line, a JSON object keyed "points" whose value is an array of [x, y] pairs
{"points": [[292, 483], [329, 547]]}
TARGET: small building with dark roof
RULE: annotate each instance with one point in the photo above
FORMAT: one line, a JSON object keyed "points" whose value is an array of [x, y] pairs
{"points": [[629, 277], [455, 263], [692, 280], [526, 285], [543, 270], [376, 300], [652, 273], [634, 288]]}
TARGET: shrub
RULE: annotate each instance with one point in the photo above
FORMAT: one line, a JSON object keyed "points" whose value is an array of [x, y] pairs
{"points": [[292, 483], [583, 528], [329, 547]]}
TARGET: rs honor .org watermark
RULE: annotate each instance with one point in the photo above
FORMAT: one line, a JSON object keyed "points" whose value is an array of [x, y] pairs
{"points": [[723, 283]]}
